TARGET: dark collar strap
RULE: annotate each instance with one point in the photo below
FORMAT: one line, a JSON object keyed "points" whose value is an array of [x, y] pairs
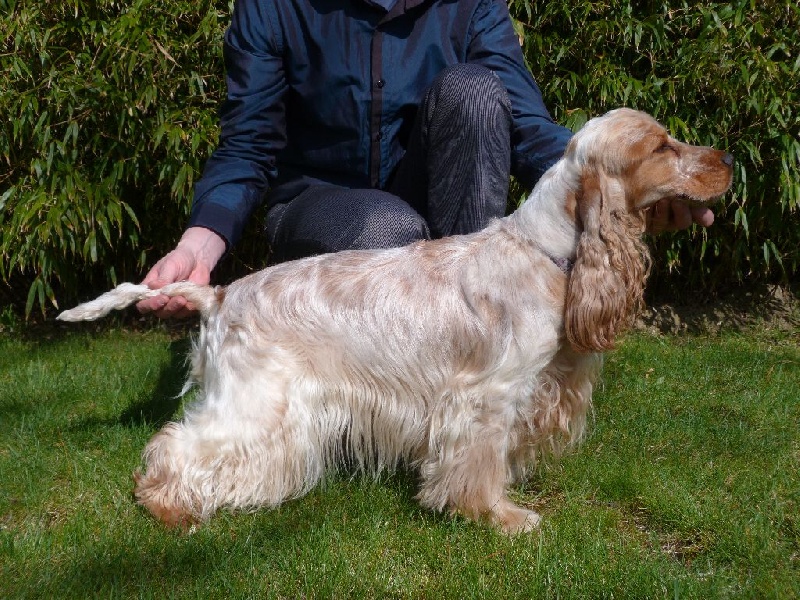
{"points": [[564, 264]]}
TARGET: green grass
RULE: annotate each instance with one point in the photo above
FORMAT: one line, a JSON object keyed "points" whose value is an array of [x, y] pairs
{"points": [[687, 487]]}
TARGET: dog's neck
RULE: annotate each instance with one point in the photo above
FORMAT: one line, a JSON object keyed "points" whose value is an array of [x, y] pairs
{"points": [[547, 218], [565, 264]]}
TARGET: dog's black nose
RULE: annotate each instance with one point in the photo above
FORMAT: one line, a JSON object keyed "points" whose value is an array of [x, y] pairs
{"points": [[727, 158]]}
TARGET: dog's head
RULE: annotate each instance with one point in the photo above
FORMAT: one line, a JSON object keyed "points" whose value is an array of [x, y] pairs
{"points": [[623, 163], [637, 162]]}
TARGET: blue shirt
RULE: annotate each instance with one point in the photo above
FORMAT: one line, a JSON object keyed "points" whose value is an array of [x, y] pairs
{"points": [[386, 4], [327, 91]]}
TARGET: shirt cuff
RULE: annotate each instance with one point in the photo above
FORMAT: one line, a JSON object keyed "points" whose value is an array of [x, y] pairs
{"points": [[219, 219]]}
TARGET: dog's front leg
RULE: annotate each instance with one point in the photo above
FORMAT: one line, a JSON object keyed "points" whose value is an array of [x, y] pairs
{"points": [[467, 469]]}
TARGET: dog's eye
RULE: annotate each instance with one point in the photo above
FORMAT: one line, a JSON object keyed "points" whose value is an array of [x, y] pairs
{"points": [[665, 147]]}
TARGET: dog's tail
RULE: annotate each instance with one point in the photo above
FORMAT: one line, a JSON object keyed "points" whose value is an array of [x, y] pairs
{"points": [[204, 297]]}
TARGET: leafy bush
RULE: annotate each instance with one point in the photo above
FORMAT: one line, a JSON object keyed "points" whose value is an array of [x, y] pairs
{"points": [[108, 111], [722, 74]]}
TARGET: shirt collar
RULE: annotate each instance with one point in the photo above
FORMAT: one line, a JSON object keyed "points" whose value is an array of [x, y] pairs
{"points": [[385, 4]]}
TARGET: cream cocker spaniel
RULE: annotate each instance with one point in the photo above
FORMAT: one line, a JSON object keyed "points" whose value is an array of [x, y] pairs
{"points": [[463, 358]]}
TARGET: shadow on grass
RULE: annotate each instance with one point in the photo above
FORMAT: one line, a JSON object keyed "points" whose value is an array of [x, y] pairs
{"points": [[163, 401], [139, 558], [116, 569]]}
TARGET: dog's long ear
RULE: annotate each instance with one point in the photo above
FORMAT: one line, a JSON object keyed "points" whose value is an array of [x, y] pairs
{"points": [[607, 281]]}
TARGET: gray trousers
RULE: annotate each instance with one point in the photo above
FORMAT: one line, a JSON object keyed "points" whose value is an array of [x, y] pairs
{"points": [[453, 178]]}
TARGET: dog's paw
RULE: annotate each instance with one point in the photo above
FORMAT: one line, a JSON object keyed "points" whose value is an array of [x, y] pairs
{"points": [[161, 504], [513, 519]]}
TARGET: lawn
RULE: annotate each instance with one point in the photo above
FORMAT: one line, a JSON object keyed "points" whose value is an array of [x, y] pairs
{"points": [[686, 486]]}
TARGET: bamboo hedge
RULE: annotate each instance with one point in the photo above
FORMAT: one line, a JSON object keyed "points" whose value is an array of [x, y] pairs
{"points": [[108, 112], [722, 74]]}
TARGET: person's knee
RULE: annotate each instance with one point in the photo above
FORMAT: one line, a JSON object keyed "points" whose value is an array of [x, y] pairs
{"points": [[391, 226], [474, 89], [329, 219]]}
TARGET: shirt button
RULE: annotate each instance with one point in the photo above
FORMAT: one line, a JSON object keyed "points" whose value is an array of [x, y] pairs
{"points": [[380, 83]]}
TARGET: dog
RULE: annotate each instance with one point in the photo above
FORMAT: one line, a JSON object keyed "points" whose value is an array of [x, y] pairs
{"points": [[465, 358]]}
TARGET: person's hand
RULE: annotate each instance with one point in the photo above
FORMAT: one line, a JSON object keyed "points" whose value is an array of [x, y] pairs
{"points": [[193, 258], [673, 215]]}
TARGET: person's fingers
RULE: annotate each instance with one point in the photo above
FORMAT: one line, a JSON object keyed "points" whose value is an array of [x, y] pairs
{"points": [[703, 216], [152, 274], [169, 269], [681, 217], [173, 307], [659, 217], [674, 215], [152, 305], [165, 307], [175, 266], [154, 280], [185, 313]]}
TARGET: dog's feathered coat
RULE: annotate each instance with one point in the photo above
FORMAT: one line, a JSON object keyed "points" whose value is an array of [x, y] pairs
{"points": [[463, 357]]}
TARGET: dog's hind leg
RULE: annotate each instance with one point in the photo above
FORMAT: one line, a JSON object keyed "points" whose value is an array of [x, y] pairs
{"points": [[161, 488], [243, 445]]}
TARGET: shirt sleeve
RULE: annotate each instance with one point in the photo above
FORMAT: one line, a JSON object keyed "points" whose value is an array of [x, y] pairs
{"points": [[537, 142], [252, 124]]}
